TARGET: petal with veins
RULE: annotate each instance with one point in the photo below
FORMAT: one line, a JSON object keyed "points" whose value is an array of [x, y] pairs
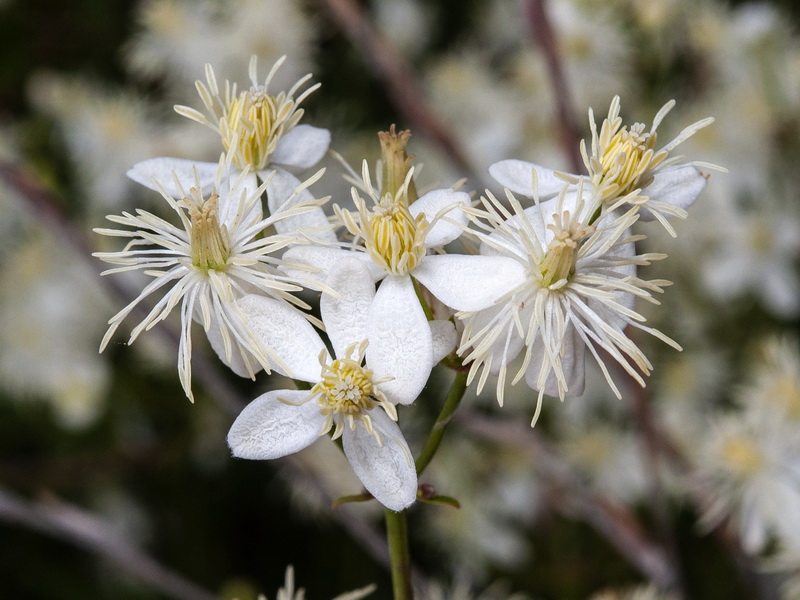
{"points": [[466, 282], [386, 469], [516, 176], [345, 317], [400, 342], [161, 169], [268, 428], [450, 223], [287, 333], [301, 147]]}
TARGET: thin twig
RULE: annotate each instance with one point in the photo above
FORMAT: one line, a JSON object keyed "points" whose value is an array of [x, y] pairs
{"points": [[84, 529], [389, 65], [569, 132], [614, 521]]}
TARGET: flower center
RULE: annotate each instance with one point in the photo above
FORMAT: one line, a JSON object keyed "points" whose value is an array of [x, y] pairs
{"points": [[251, 127], [625, 160], [209, 240], [346, 388], [346, 393], [741, 456], [394, 238], [558, 263]]}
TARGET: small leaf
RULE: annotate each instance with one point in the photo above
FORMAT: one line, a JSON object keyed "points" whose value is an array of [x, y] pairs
{"points": [[362, 497]]}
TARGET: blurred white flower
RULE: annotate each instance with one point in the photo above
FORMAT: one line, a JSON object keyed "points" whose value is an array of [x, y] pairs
{"points": [[289, 592], [48, 315], [177, 37], [216, 255], [355, 400], [752, 459], [757, 254]]}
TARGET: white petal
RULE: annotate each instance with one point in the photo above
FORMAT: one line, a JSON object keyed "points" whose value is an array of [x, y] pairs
{"points": [[400, 343], [432, 204], [286, 332], [572, 363], [679, 185], [161, 169], [444, 337], [345, 317], [516, 176], [387, 469], [268, 428], [301, 147], [322, 260], [469, 282], [281, 195]]}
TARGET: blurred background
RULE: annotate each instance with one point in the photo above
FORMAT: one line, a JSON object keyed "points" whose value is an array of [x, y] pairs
{"points": [[112, 485]]}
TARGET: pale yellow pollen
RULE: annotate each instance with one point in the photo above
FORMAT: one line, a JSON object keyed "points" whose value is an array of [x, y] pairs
{"points": [[562, 253], [210, 242], [250, 127], [626, 160], [346, 388], [394, 238], [741, 456]]}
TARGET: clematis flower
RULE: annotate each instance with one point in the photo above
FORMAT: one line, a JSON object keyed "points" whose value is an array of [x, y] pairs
{"points": [[216, 255], [354, 398], [397, 235], [262, 134], [624, 166], [574, 291]]}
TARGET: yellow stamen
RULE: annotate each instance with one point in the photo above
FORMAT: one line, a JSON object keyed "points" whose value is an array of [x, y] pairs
{"points": [[626, 160], [394, 239], [209, 240], [250, 127], [562, 253]]}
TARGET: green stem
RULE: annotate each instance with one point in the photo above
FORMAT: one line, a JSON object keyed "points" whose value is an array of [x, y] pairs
{"points": [[397, 534], [425, 308], [451, 403]]}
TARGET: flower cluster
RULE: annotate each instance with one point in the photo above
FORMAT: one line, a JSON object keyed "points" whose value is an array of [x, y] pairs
{"points": [[554, 279]]}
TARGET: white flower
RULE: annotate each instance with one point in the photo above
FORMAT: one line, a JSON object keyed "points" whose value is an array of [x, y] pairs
{"points": [[622, 162], [215, 256], [262, 135], [354, 399], [574, 290], [397, 235]]}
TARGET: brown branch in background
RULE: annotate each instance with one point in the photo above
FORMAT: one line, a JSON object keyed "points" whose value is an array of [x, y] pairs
{"points": [[660, 451], [614, 521], [46, 208], [568, 130], [389, 65], [652, 455], [82, 528]]}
